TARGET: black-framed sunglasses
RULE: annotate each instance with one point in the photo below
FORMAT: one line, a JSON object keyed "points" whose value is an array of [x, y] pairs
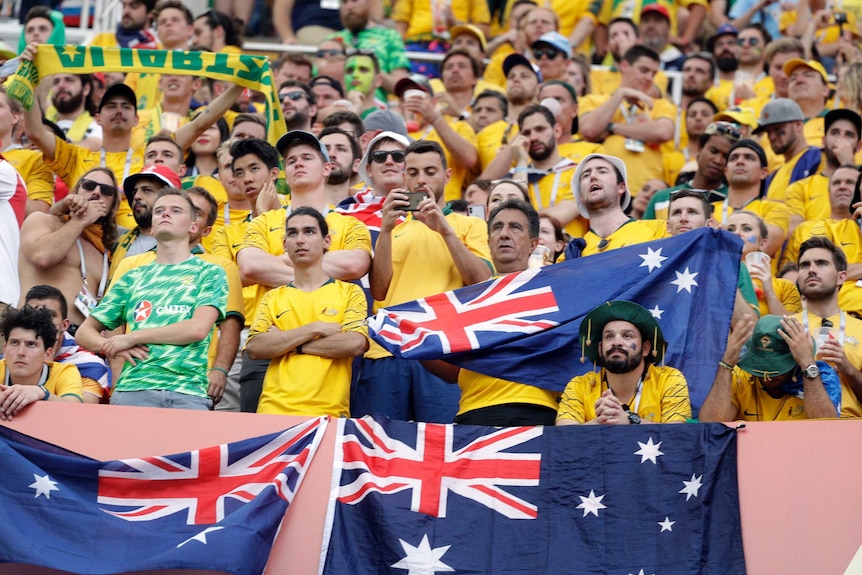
{"points": [[106, 190], [548, 53], [750, 41], [379, 156], [293, 96]]}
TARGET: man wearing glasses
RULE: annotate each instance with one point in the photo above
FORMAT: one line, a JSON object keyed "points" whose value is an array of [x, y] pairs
{"points": [[714, 146], [298, 105], [551, 53], [71, 252]]}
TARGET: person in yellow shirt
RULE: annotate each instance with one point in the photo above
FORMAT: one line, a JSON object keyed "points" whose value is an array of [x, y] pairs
{"points": [[776, 379], [522, 87], [836, 222], [776, 296], [261, 255], [806, 197], [527, 24], [622, 34], [457, 138], [602, 195], [783, 122], [745, 173], [567, 99], [808, 86], [430, 253], [513, 233], [309, 329], [778, 52], [540, 166], [749, 79], [133, 30], [26, 371], [217, 32], [630, 124], [631, 387]]}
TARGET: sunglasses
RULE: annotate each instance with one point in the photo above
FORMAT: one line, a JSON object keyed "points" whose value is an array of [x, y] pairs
{"points": [[293, 96], [548, 53], [749, 41], [379, 156], [106, 190], [727, 129], [328, 53]]}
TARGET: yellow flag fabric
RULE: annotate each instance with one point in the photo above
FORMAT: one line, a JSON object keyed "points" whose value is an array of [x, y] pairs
{"points": [[251, 72]]}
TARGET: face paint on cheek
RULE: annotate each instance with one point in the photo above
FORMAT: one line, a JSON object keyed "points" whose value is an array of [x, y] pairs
{"points": [[751, 239], [633, 346]]}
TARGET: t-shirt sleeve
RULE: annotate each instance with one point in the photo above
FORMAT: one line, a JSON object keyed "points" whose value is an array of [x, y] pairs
{"points": [[355, 312], [66, 157], [675, 404], [67, 381], [212, 290], [572, 402], [257, 234], [263, 319]]}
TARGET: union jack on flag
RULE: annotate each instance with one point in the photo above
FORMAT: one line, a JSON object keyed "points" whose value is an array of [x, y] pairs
{"points": [[216, 509], [467, 319], [430, 466], [207, 483]]}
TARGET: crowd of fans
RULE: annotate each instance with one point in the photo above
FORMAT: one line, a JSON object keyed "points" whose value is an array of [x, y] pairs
{"points": [[157, 250]]}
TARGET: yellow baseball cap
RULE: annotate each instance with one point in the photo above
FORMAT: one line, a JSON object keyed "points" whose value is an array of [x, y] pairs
{"points": [[737, 115], [469, 29], [795, 63]]}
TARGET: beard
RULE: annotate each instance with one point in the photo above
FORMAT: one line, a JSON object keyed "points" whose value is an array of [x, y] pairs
{"points": [[298, 121], [518, 97], [626, 365], [70, 104], [692, 91], [544, 153], [354, 22], [338, 175], [727, 63], [143, 219]]}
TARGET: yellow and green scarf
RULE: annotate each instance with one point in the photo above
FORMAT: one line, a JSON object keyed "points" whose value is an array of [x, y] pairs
{"points": [[251, 72]]}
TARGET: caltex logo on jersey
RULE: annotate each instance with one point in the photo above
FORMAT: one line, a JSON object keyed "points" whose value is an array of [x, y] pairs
{"points": [[143, 310]]}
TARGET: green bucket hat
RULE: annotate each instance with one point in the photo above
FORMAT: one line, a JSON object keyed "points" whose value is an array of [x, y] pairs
{"points": [[594, 323], [767, 355]]}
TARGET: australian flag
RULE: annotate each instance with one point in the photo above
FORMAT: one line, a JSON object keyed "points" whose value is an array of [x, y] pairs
{"points": [[524, 327], [217, 508], [423, 498]]}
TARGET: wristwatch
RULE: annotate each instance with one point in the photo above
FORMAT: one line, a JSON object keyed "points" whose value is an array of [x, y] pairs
{"points": [[811, 371], [610, 128], [45, 389], [634, 418]]}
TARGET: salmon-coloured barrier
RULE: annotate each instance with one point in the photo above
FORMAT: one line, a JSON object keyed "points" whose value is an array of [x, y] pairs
{"points": [[799, 481]]}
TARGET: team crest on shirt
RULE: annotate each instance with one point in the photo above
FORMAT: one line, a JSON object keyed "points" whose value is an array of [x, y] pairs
{"points": [[329, 311], [143, 309]]}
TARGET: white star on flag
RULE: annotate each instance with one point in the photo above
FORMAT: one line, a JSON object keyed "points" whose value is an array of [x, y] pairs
{"points": [[202, 536], [44, 486], [422, 560], [685, 280], [656, 312], [652, 259], [666, 525], [692, 487], [592, 504], [641, 572], [649, 451]]}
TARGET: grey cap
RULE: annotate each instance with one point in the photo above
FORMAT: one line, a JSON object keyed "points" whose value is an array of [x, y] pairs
{"points": [[779, 111], [300, 137], [363, 164], [387, 121], [576, 181]]}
